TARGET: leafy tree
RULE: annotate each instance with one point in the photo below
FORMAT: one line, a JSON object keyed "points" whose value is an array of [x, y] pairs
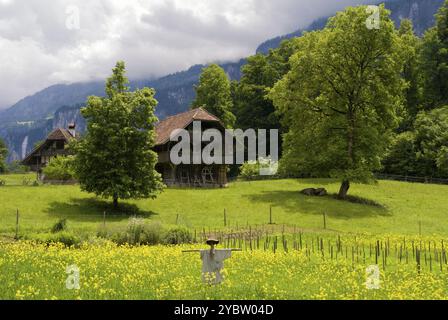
{"points": [[213, 93], [412, 94], [252, 107], [16, 167], [60, 168], [434, 61], [3, 155], [341, 97], [401, 157], [423, 151], [115, 157], [431, 140]]}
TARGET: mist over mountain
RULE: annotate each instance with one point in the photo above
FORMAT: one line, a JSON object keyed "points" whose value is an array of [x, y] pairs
{"points": [[33, 117]]}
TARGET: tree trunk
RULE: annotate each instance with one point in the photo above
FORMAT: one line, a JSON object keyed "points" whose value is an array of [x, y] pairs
{"points": [[115, 201], [344, 189]]}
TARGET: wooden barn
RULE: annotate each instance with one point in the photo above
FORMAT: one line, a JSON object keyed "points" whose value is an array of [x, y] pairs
{"points": [[193, 175], [187, 175]]}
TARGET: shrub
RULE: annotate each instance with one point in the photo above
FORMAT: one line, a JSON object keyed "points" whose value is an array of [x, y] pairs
{"points": [[249, 170], [16, 167], [60, 168], [253, 169], [138, 232], [96, 241], [152, 233], [135, 230], [59, 226], [67, 238], [118, 237], [178, 236]]}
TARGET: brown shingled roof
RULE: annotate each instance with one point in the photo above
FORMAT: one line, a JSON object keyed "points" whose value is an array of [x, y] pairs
{"points": [[181, 121], [60, 134]]}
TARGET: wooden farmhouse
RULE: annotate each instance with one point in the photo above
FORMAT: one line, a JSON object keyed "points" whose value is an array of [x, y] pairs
{"points": [[188, 175], [194, 175], [54, 145]]}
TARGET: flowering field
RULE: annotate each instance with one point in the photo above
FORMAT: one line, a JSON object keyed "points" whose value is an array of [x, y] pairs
{"points": [[107, 271]]}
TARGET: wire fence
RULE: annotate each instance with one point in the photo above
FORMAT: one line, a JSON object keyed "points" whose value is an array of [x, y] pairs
{"points": [[406, 178], [379, 176], [29, 181]]}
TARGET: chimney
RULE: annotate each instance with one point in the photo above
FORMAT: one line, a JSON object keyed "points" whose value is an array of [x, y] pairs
{"points": [[71, 129]]}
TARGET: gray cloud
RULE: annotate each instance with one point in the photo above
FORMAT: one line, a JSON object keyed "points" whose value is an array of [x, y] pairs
{"points": [[154, 37]]}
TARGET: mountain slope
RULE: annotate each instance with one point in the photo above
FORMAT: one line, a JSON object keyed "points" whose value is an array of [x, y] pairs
{"points": [[30, 119], [44, 103], [33, 117], [421, 12]]}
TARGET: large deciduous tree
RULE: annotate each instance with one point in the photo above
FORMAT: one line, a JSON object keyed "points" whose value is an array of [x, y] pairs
{"points": [[341, 97], [3, 155], [434, 61], [411, 74], [424, 151], [253, 109], [115, 158], [431, 141], [213, 93]]}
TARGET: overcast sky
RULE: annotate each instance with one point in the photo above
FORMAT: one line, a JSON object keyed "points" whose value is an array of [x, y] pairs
{"points": [[41, 42]]}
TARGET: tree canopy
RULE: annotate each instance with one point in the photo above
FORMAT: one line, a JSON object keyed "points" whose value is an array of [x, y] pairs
{"points": [[3, 155], [431, 142], [252, 107], [413, 93], [115, 157], [341, 98], [434, 61], [213, 93]]}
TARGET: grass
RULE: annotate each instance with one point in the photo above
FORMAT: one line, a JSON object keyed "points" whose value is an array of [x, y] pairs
{"points": [[398, 207], [17, 179]]}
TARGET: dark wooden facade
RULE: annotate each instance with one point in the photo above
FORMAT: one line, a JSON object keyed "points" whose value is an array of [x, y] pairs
{"points": [[188, 175]]}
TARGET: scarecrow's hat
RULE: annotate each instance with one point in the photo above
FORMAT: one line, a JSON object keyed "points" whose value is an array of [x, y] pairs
{"points": [[211, 241]]}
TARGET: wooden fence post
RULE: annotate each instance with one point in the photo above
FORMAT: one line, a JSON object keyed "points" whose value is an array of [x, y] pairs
{"points": [[325, 221], [17, 225], [104, 219], [225, 218], [270, 214]]}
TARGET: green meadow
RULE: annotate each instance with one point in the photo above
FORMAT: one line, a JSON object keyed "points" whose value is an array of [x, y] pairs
{"points": [[398, 208]]}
